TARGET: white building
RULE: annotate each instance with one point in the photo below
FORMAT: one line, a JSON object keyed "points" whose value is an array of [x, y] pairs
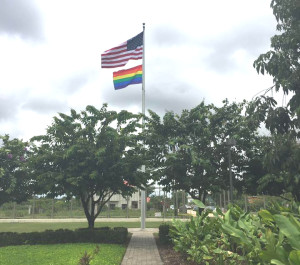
{"points": [[133, 202]]}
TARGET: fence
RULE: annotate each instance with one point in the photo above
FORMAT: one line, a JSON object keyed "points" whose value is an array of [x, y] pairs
{"points": [[158, 206], [246, 202], [37, 208]]}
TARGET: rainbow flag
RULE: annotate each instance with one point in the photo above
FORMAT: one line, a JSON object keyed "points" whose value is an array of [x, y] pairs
{"points": [[124, 78]]}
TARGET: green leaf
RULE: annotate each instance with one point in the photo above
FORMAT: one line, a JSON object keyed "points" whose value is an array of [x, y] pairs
{"points": [[277, 262], [274, 249], [227, 217], [289, 229], [237, 234], [200, 204], [295, 222], [266, 215], [294, 257], [219, 212], [243, 225], [218, 251]]}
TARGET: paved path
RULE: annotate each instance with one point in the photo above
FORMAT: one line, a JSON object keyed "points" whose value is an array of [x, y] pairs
{"points": [[142, 249]]}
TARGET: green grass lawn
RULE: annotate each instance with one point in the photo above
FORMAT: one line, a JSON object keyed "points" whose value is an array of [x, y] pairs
{"points": [[60, 254], [37, 227]]}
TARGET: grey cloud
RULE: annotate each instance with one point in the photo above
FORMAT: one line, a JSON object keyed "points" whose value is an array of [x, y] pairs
{"points": [[74, 83], [20, 17], [122, 98], [48, 105], [167, 96], [251, 38], [8, 108], [173, 97], [45, 105], [14, 131], [168, 35]]}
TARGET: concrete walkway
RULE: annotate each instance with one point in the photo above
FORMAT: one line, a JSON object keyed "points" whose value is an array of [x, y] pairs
{"points": [[142, 249]]}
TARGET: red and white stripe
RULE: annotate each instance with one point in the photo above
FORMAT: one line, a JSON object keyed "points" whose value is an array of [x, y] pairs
{"points": [[119, 56]]}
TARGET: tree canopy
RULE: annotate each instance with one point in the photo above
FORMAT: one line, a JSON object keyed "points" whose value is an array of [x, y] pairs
{"points": [[91, 155], [16, 183], [188, 151], [282, 62], [280, 154], [282, 163]]}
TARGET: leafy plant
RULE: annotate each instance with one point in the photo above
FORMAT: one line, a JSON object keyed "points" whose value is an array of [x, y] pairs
{"points": [[239, 237], [87, 258], [282, 236], [203, 240], [243, 231]]}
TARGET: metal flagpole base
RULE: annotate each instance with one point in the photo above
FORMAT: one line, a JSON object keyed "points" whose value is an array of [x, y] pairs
{"points": [[143, 205]]}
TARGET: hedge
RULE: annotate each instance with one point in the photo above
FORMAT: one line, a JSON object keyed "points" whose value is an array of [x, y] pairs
{"points": [[117, 235], [164, 237]]}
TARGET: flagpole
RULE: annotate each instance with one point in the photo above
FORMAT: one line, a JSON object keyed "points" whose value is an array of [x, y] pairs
{"points": [[143, 192]]}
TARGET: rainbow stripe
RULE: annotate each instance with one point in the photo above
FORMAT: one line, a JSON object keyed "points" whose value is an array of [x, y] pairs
{"points": [[124, 78]]}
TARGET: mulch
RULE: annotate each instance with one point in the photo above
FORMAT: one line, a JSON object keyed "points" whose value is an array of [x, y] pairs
{"points": [[169, 256]]}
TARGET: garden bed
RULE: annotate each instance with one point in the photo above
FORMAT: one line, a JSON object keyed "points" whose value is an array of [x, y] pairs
{"points": [[169, 256]]}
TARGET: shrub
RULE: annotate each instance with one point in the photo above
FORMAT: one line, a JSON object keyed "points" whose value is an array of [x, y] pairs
{"points": [[237, 237], [201, 239], [122, 233], [117, 235], [164, 237]]}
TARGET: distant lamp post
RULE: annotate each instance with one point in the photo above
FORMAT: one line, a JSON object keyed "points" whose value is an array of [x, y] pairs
{"points": [[230, 142]]}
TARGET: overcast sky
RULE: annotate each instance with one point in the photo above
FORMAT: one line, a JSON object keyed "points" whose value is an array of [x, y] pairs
{"points": [[50, 55]]}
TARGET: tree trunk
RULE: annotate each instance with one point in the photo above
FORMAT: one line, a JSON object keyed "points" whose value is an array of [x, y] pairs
{"points": [[93, 208], [89, 214], [200, 210], [175, 202], [91, 222], [202, 198], [296, 195]]}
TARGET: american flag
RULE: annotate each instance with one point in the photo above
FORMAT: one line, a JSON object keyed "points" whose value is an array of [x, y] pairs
{"points": [[131, 49]]}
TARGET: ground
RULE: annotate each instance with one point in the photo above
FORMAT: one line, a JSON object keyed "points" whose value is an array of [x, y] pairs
{"points": [[169, 256]]}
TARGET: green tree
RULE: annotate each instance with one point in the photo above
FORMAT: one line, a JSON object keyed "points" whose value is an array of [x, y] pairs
{"points": [[282, 163], [156, 202], [274, 167], [254, 169], [188, 151], [16, 184], [282, 62], [90, 155]]}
